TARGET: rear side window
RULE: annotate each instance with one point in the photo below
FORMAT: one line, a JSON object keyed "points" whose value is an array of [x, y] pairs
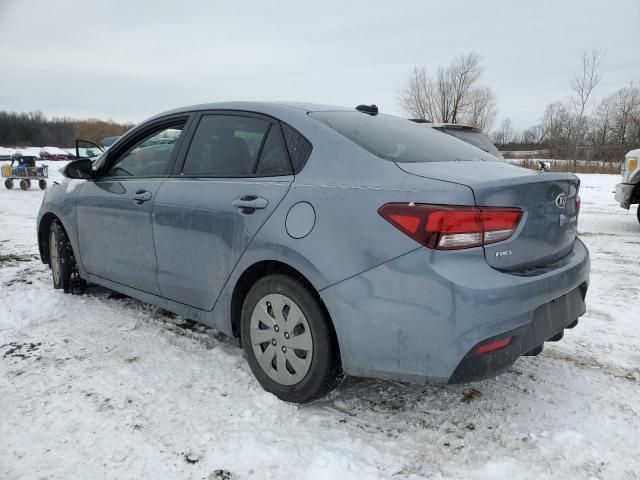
{"points": [[298, 146], [236, 146], [398, 139], [273, 158]]}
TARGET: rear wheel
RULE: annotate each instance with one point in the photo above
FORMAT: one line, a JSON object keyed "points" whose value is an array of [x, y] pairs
{"points": [[288, 340], [8, 183], [63, 263], [42, 183], [25, 184]]}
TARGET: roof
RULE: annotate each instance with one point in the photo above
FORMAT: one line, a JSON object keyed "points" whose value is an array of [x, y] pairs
{"points": [[633, 153], [286, 111], [260, 107]]}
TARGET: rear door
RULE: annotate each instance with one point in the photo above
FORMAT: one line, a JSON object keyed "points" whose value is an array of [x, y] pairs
{"points": [[232, 176], [114, 211]]}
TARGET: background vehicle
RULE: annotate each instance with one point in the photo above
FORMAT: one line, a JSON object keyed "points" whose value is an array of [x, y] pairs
{"points": [[472, 135], [627, 192], [24, 171], [326, 239], [53, 153]]}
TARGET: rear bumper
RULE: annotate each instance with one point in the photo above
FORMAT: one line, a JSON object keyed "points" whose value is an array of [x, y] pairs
{"points": [[623, 194], [548, 320], [417, 317]]}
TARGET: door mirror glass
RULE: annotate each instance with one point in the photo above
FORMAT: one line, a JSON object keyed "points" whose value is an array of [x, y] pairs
{"points": [[79, 169]]}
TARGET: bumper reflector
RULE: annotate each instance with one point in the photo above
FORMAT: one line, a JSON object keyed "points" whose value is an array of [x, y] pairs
{"points": [[493, 345]]}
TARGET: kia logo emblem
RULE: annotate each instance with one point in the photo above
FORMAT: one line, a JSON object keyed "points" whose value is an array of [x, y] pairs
{"points": [[561, 200]]}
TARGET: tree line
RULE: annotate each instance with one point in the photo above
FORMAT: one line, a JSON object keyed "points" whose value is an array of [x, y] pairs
{"points": [[581, 126], [33, 129]]}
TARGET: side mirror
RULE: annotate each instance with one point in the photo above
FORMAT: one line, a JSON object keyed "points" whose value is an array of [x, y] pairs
{"points": [[80, 169]]}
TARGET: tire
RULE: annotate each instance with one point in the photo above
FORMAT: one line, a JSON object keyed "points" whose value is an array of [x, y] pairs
{"points": [[268, 339], [8, 183], [638, 213], [25, 184], [63, 263], [42, 183]]}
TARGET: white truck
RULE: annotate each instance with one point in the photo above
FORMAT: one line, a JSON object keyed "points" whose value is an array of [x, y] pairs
{"points": [[628, 191]]}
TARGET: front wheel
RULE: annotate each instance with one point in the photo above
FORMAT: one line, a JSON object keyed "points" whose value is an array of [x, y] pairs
{"points": [[288, 339], [8, 183], [25, 184], [42, 183], [63, 263]]}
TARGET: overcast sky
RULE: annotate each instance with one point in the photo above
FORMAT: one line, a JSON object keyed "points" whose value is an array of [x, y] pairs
{"points": [[127, 60]]}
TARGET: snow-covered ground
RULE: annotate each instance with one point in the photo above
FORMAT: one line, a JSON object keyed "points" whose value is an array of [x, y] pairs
{"points": [[100, 386]]}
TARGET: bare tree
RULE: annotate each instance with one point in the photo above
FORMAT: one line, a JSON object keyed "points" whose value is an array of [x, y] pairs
{"points": [[481, 110], [462, 74], [452, 95], [626, 114], [585, 80], [582, 84], [505, 133], [415, 96], [534, 134], [557, 121], [602, 127]]}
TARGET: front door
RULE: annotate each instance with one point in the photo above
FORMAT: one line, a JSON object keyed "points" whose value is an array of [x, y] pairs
{"points": [[235, 173], [114, 211]]}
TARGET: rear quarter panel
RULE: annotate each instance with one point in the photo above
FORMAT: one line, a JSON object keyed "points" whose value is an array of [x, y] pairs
{"points": [[345, 186]]}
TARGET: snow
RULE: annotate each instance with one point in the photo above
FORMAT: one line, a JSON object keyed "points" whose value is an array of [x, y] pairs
{"points": [[98, 386], [6, 151]]}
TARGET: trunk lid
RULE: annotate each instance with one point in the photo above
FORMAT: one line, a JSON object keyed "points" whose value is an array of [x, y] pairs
{"points": [[548, 227]]}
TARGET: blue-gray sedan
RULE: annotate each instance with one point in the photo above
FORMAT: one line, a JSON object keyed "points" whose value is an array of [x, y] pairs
{"points": [[329, 240]]}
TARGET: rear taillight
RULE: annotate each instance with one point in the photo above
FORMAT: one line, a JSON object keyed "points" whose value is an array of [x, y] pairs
{"points": [[451, 227]]}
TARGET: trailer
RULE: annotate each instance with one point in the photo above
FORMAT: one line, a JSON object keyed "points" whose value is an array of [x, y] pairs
{"points": [[25, 171]]}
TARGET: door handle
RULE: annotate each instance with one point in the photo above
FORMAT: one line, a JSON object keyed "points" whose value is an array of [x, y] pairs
{"points": [[250, 203], [141, 197]]}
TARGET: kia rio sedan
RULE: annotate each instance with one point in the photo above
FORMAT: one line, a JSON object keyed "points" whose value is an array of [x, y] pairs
{"points": [[329, 240]]}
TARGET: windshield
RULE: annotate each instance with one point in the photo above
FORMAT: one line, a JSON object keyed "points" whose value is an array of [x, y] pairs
{"points": [[473, 137], [398, 139]]}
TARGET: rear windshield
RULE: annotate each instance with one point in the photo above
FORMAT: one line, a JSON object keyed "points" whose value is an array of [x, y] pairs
{"points": [[473, 137], [398, 139]]}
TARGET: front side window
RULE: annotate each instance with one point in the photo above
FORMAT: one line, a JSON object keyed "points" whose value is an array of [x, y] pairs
{"points": [[236, 146], [149, 157]]}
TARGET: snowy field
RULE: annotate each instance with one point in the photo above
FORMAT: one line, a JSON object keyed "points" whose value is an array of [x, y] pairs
{"points": [[100, 386]]}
